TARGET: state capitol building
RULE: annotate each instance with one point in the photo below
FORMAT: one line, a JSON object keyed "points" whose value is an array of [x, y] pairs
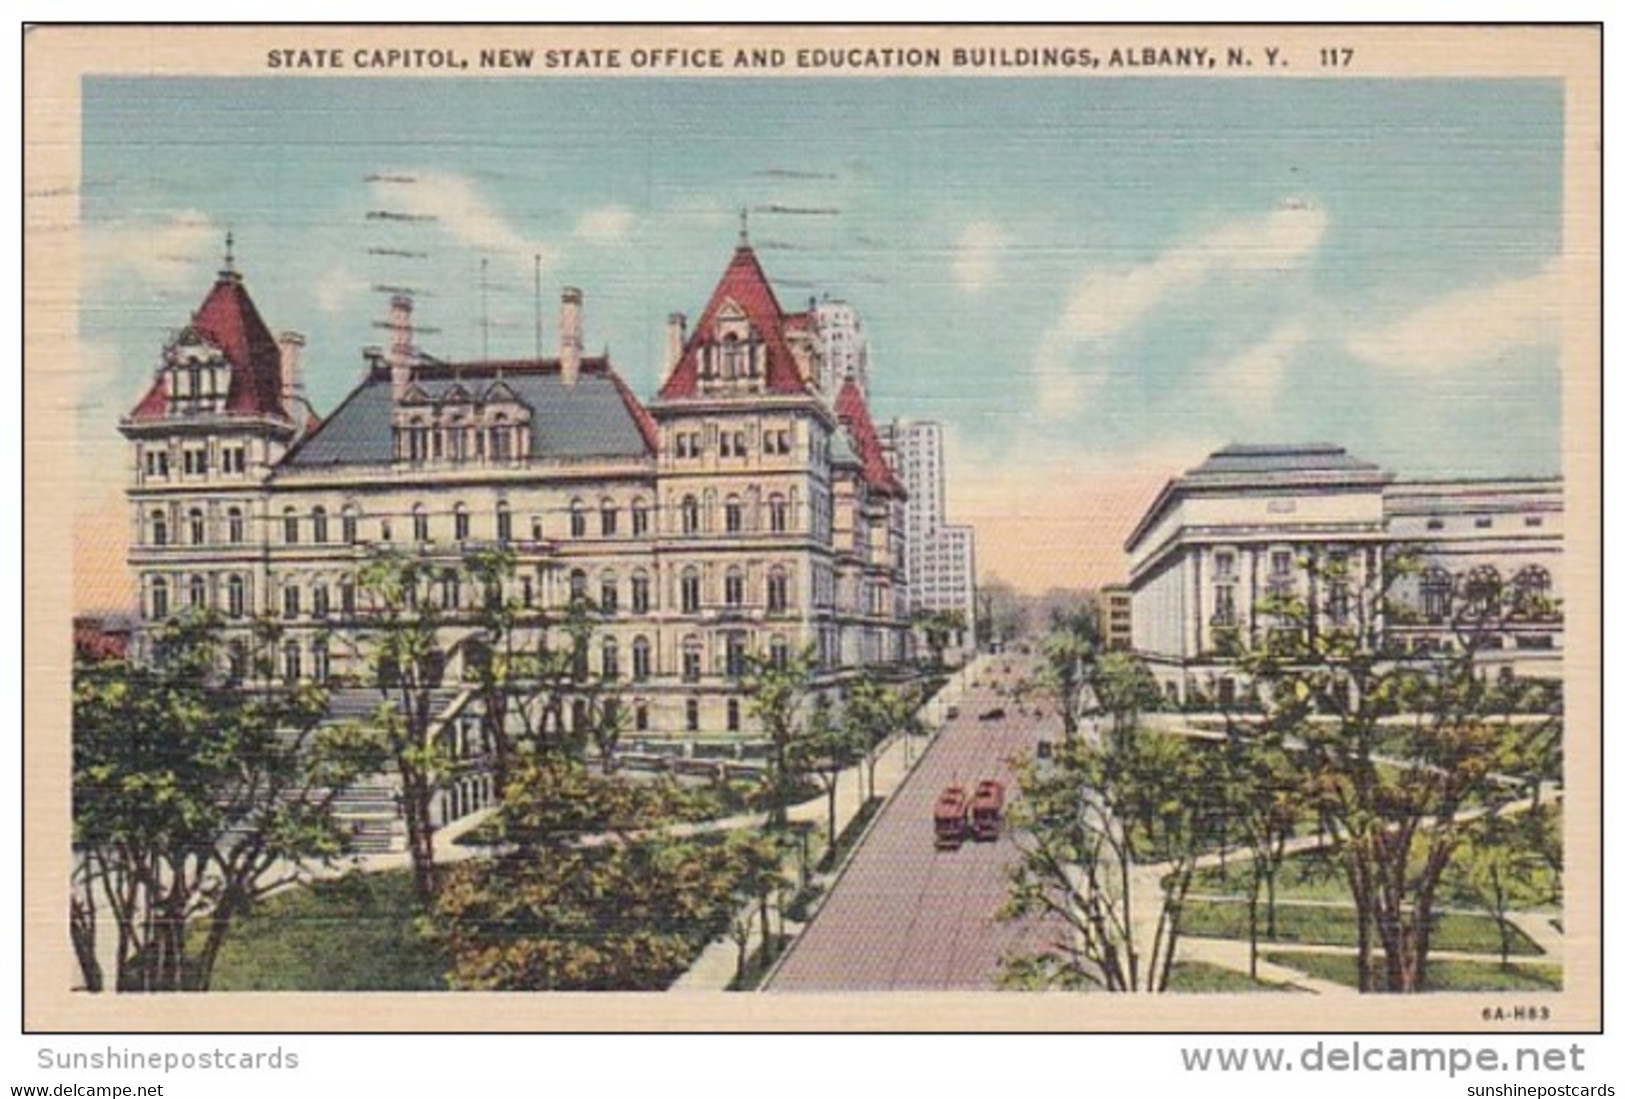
{"points": [[749, 508]]}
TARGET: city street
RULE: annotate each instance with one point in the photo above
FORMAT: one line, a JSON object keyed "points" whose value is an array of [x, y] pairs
{"points": [[905, 915]]}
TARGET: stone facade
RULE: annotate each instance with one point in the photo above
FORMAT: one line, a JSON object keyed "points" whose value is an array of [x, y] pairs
{"points": [[1315, 523], [742, 511]]}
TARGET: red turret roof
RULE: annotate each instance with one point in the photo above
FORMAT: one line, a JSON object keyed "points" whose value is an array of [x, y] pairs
{"points": [[228, 319], [744, 284], [854, 414]]}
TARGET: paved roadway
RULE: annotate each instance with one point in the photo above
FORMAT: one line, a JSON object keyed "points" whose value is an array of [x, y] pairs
{"points": [[906, 915]]}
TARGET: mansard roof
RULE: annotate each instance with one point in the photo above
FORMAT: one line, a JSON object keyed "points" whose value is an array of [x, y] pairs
{"points": [[745, 286], [597, 417]]}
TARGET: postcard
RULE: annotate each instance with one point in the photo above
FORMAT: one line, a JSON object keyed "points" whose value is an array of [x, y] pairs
{"points": [[909, 528]]}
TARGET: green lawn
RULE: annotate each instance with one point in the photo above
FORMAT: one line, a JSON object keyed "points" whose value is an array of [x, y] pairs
{"points": [[1442, 976], [1206, 977], [356, 933], [1320, 925]]}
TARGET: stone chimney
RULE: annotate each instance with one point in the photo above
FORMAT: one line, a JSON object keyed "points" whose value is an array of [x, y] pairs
{"points": [[570, 336], [290, 347], [399, 355], [676, 336]]}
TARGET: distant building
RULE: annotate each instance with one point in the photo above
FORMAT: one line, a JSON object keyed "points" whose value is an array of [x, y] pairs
{"points": [[843, 346], [941, 557], [1115, 607], [1258, 521]]}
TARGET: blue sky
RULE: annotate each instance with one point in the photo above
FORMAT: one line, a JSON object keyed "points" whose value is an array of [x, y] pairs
{"points": [[1084, 279]]}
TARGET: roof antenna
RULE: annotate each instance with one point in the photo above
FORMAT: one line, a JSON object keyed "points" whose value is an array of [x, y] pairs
{"points": [[538, 258], [485, 312], [744, 227], [230, 269]]}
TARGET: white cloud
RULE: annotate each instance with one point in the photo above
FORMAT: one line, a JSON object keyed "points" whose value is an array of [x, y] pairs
{"points": [[463, 213], [166, 254], [1103, 305], [1467, 327], [1250, 381], [605, 224], [978, 257], [337, 287]]}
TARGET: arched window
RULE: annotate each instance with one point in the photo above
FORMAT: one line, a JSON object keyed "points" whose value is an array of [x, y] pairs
{"points": [[733, 587], [640, 592], [290, 601], [1483, 591], [451, 590], [640, 658], [778, 590], [318, 601], [691, 515], [290, 527], [160, 597], [1437, 591], [608, 518], [236, 661], [235, 528], [578, 585], [197, 593], [420, 523], [194, 526], [321, 664], [347, 596], [733, 513], [236, 596], [459, 522], [318, 524], [692, 659], [640, 715], [690, 587], [778, 514], [504, 522], [610, 659], [1532, 592], [349, 528], [778, 651], [609, 593], [290, 662], [578, 519], [640, 517], [160, 528]]}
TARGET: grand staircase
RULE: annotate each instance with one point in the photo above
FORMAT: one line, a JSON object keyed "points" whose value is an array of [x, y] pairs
{"points": [[368, 810]]}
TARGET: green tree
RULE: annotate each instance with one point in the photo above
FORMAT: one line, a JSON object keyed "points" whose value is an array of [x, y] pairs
{"points": [[755, 868], [407, 608], [1399, 750], [1124, 688], [827, 746], [1067, 667], [939, 628], [193, 797], [877, 712], [590, 894], [1505, 865], [1109, 838], [778, 692]]}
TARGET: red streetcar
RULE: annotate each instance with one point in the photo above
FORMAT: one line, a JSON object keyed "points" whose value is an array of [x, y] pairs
{"points": [[987, 810], [950, 817]]}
